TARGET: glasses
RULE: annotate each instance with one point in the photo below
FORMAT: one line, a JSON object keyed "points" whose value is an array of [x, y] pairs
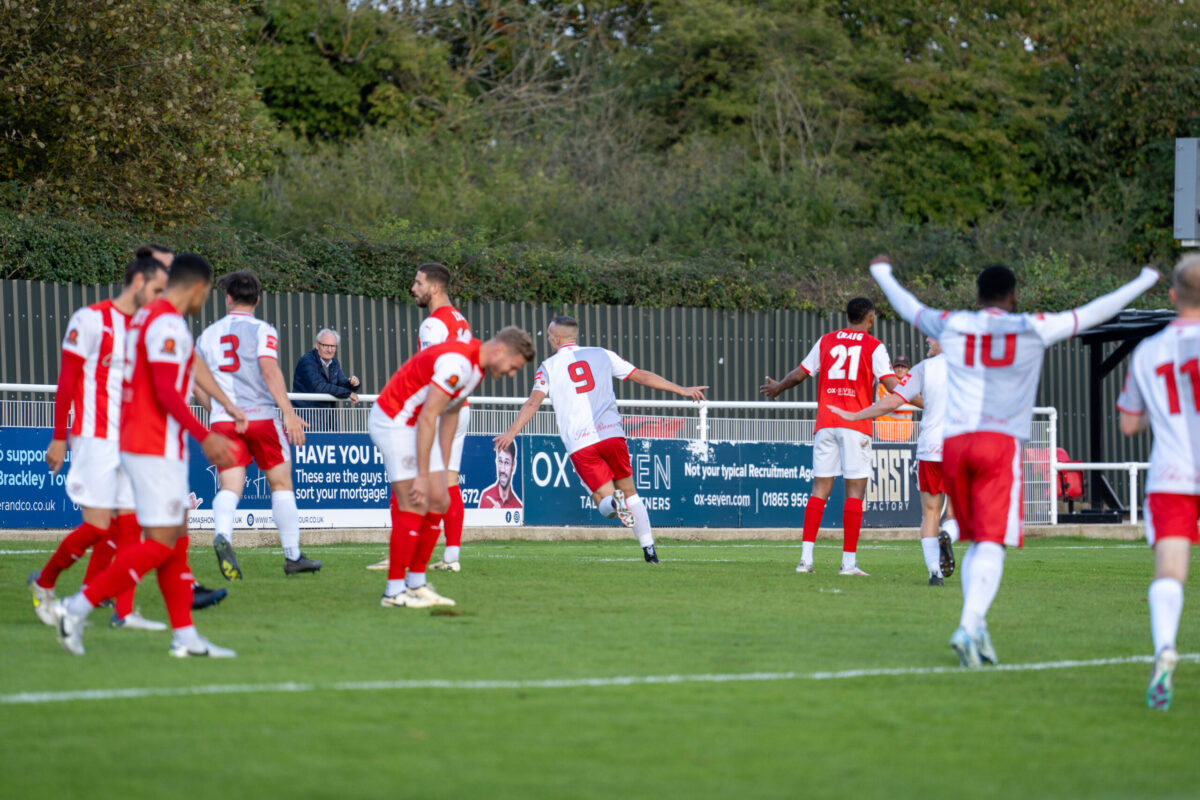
{"points": [[328, 346]]}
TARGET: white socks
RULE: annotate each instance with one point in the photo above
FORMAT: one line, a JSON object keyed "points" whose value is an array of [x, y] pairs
{"points": [[1166, 604], [950, 526], [394, 587], [415, 580], [450, 554], [78, 606], [933, 555], [980, 584], [224, 505], [185, 635], [641, 520], [806, 552], [849, 560], [607, 507], [287, 520]]}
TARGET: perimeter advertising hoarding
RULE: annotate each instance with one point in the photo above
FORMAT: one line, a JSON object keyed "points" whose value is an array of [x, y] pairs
{"points": [[338, 480]]}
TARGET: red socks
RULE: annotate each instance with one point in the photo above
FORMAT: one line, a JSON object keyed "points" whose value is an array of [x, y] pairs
{"points": [[406, 532], [102, 554], [175, 581], [452, 522], [69, 551], [430, 530], [127, 570], [129, 533], [852, 514], [812, 518]]}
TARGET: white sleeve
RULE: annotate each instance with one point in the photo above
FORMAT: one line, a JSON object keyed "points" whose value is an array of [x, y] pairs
{"points": [[83, 333], [912, 384], [205, 350], [541, 382], [432, 331], [268, 342], [812, 362], [1053, 329], [881, 363], [450, 372], [621, 368], [168, 341]]}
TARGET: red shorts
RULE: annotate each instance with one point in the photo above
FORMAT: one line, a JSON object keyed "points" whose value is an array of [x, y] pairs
{"points": [[264, 440], [929, 477], [1169, 515], [604, 461], [982, 475]]}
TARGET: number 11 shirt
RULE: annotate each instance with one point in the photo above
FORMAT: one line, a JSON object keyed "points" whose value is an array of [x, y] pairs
{"points": [[578, 381]]}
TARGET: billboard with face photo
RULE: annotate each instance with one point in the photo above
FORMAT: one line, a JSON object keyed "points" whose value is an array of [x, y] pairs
{"points": [[505, 492]]}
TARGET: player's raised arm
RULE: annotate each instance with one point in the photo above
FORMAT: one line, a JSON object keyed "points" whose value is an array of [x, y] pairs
{"points": [[886, 405], [527, 411], [905, 303], [1101, 309], [656, 381]]}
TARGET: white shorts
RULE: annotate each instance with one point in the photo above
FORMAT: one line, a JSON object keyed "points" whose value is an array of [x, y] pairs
{"points": [[160, 489], [841, 451], [397, 443], [460, 436], [96, 479]]}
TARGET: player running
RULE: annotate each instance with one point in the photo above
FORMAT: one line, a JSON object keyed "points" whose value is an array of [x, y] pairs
{"points": [[926, 381], [1162, 392], [578, 381], [93, 361], [242, 352], [158, 376], [444, 324], [413, 424], [993, 362], [848, 362]]}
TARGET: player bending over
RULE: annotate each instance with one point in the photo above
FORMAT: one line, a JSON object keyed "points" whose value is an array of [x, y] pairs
{"points": [[242, 352], [578, 381], [158, 376], [413, 424], [1162, 392], [928, 382], [93, 363], [993, 362], [848, 362]]}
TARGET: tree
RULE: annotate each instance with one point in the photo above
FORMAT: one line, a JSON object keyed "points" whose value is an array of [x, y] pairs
{"points": [[130, 107]]}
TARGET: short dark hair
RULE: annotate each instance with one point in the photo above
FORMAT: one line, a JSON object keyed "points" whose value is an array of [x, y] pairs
{"points": [[511, 449], [150, 248], [995, 283], [147, 266], [517, 341], [437, 273], [564, 319], [188, 269], [243, 286], [858, 308]]}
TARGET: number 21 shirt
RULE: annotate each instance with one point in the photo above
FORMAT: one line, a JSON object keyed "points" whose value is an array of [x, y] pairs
{"points": [[848, 363]]}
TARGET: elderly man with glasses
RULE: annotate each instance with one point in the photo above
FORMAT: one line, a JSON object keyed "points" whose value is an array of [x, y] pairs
{"points": [[318, 372]]}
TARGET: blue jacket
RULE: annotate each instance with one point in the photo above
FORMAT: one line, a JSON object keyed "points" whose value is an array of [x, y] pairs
{"points": [[312, 376]]}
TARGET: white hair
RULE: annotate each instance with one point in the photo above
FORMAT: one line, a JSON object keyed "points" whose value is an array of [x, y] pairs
{"points": [[337, 339]]}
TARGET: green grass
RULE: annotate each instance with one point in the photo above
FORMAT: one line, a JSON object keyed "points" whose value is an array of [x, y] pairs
{"points": [[535, 611]]}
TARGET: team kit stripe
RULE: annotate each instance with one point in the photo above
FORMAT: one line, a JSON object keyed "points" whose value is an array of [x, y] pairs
{"points": [[36, 698]]}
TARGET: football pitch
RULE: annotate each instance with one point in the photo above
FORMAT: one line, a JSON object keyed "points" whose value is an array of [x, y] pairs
{"points": [[575, 670]]}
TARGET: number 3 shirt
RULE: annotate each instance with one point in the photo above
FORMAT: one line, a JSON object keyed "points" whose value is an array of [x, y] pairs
{"points": [[231, 347], [1164, 381], [848, 363], [578, 380]]}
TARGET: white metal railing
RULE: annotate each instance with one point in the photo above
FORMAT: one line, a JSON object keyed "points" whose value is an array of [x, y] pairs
{"points": [[1132, 467]]}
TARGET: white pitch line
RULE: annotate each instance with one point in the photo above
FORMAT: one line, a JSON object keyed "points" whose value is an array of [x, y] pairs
{"points": [[35, 698]]}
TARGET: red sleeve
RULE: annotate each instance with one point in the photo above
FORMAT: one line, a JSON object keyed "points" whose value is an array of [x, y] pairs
{"points": [[172, 401], [64, 395]]}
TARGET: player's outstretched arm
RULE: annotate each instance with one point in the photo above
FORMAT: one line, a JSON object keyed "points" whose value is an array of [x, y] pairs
{"points": [[883, 406], [527, 411], [273, 377], [655, 381], [773, 388], [1105, 308], [204, 380], [906, 305]]}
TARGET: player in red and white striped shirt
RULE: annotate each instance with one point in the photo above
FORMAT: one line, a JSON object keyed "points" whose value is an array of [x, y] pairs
{"points": [[242, 352], [993, 362], [93, 359], [848, 362], [412, 424], [1162, 392], [154, 419]]}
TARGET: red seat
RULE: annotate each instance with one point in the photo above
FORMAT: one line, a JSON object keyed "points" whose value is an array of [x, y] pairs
{"points": [[1070, 483]]}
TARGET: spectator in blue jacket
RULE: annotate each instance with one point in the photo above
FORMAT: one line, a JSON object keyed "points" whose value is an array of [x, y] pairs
{"points": [[318, 372]]}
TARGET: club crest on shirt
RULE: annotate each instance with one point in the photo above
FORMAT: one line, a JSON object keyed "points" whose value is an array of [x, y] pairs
{"points": [[453, 381], [272, 343], [72, 336], [168, 347]]}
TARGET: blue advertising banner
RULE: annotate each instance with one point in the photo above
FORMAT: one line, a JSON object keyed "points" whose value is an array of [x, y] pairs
{"points": [[339, 483]]}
